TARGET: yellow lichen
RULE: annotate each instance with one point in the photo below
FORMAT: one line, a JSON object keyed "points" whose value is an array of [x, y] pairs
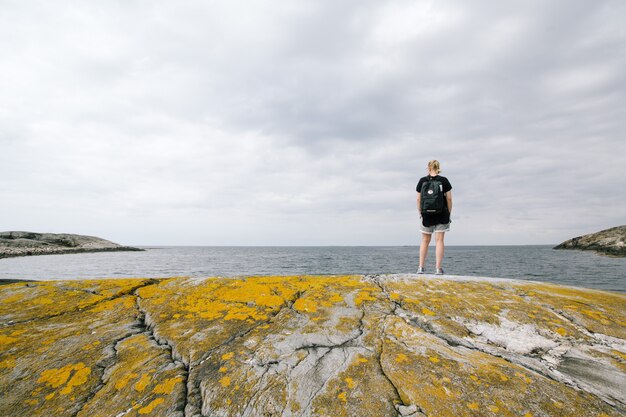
{"points": [[350, 382], [79, 378], [142, 383], [150, 407], [427, 312], [401, 357], [124, 380], [13, 298], [362, 296], [56, 377], [6, 340], [167, 386], [8, 362], [225, 381], [305, 305], [342, 396]]}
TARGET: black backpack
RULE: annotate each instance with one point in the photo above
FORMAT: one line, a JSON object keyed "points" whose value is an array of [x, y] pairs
{"points": [[432, 196]]}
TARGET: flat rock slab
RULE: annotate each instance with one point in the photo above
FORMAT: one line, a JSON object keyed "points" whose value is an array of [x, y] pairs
{"points": [[384, 345]]}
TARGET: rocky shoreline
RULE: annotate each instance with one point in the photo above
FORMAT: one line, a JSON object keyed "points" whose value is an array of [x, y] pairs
{"points": [[13, 244], [611, 242], [378, 345]]}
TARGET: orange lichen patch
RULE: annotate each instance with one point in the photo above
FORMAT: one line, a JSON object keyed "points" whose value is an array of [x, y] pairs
{"points": [[228, 356], [401, 357], [150, 407], [225, 381], [473, 406], [124, 380], [305, 305], [350, 382], [342, 396], [79, 378], [363, 295], [334, 299], [167, 386], [142, 383], [7, 362], [56, 377], [7, 340], [427, 312]]}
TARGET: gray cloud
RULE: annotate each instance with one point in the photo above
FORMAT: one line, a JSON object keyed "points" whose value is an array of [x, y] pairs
{"points": [[310, 123]]}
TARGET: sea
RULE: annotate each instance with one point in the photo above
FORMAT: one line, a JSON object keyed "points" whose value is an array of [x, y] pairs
{"points": [[535, 263]]}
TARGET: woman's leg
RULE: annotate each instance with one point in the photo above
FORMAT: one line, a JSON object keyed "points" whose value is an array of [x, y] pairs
{"points": [[424, 248], [439, 249]]}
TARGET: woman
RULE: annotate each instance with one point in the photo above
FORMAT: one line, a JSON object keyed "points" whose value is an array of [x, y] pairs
{"points": [[434, 219]]}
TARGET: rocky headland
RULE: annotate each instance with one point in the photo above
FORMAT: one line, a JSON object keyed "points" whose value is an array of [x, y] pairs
{"points": [[389, 345], [28, 243], [610, 242]]}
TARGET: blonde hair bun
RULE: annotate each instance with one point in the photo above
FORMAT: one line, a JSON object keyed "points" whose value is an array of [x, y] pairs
{"points": [[434, 166]]}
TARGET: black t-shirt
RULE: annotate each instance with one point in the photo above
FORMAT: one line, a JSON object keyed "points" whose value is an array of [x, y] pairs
{"points": [[444, 216]]}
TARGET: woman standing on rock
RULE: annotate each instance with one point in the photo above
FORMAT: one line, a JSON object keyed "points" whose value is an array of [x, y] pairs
{"points": [[434, 202]]}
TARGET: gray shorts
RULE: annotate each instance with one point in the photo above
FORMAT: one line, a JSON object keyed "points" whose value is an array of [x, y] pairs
{"points": [[438, 228]]}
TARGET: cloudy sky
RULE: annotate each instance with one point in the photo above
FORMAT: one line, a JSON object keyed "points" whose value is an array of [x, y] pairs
{"points": [[293, 122]]}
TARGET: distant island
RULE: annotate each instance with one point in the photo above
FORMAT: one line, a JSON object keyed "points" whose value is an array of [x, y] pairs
{"points": [[608, 242], [14, 244]]}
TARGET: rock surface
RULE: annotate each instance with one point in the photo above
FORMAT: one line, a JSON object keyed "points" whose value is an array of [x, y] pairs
{"points": [[28, 243], [609, 242], [391, 345]]}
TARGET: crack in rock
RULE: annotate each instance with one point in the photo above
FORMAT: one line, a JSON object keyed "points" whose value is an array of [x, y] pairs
{"points": [[148, 325], [111, 351]]}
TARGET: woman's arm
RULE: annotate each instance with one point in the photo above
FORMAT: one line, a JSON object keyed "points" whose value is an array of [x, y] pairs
{"points": [[449, 199]]}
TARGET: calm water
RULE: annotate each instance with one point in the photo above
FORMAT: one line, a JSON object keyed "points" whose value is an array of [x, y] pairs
{"points": [[539, 263]]}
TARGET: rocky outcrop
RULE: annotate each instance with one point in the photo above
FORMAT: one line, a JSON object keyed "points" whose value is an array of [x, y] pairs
{"points": [[28, 243], [608, 242], [393, 345]]}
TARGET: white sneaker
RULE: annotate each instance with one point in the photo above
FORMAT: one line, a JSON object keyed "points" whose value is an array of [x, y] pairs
{"points": [[439, 271], [420, 270]]}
